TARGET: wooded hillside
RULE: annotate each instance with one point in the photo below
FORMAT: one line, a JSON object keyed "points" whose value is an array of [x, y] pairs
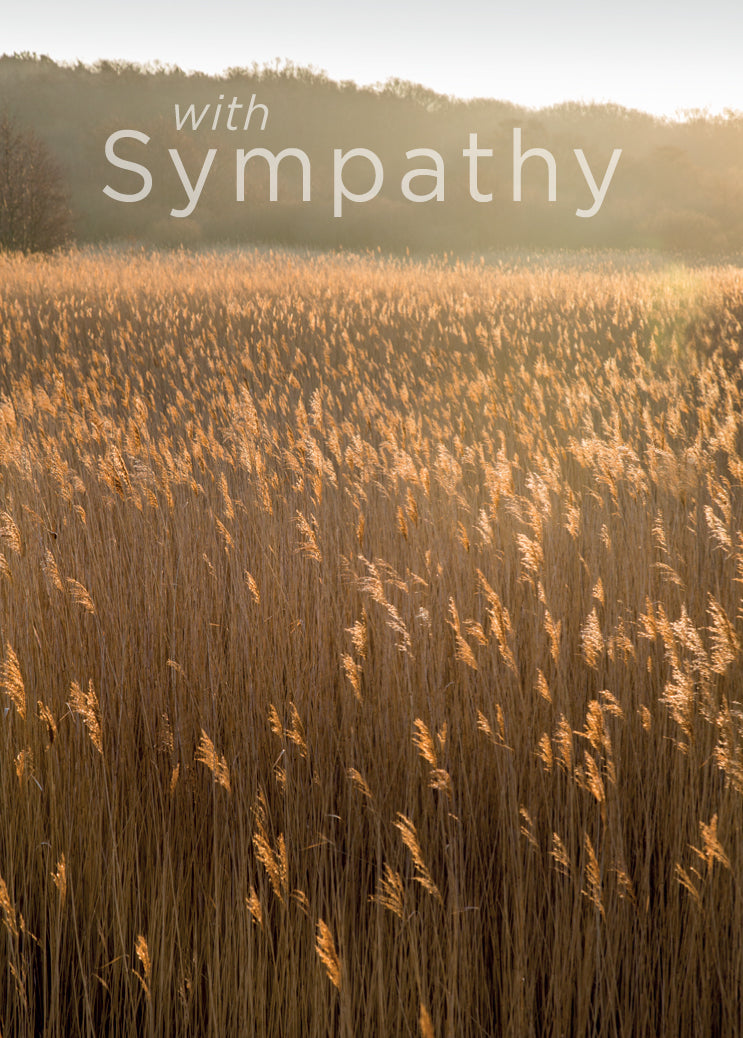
{"points": [[676, 185]]}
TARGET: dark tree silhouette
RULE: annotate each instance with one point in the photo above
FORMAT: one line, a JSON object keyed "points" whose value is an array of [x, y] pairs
{"points": [[34, 209]]}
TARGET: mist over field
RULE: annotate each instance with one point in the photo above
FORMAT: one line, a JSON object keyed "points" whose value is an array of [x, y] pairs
{"points": [[675, 185]]}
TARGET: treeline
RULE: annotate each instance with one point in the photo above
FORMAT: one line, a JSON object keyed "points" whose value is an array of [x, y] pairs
{"points": [[677, 184]]}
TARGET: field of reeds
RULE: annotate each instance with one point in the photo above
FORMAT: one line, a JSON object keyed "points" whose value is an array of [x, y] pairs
{"points": [[370, 647]]}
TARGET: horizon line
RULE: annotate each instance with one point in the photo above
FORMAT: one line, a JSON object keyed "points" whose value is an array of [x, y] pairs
{"points": [[289, 67]]}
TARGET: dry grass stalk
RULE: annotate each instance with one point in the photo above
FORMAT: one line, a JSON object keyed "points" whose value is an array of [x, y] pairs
{"points": [[143, 955], [8, 910], [326, 950], [80, 596], [410, 839], [59, 878], [425, 1023], [86, 705], [11, 681], [206, 754]]}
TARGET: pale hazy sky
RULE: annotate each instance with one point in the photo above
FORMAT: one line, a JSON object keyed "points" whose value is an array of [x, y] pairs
{"points": [[660, 57]]}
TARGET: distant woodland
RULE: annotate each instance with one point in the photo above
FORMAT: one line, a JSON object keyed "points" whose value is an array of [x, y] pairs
{"points": [[677, 185]]}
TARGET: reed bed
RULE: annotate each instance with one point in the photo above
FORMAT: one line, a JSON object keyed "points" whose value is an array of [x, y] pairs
{"points": [[370, 647]]}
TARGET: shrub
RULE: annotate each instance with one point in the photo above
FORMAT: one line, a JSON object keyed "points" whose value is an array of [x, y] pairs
{"points": [[34, 209]]}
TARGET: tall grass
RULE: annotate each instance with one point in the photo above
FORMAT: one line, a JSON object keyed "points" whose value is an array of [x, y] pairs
{"points": [[371, 648]]}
